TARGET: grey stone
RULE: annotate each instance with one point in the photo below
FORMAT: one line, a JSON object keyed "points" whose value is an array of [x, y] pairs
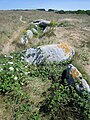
{"points": [[75, 79], [29, 34], [24, 40], [39, 21], [46, 29], [49, 53]]}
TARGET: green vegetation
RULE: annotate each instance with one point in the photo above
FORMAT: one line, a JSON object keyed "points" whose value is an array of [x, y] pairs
{"points": [[65, 103], [60, 98], [13, 76], [32, 92], [70, 12], [60, 11]]}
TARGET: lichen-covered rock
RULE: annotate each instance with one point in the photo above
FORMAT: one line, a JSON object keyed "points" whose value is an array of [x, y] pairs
{"points": [[41, 23], [75, 79], [49, 53], [24, 40], [29, 34]]}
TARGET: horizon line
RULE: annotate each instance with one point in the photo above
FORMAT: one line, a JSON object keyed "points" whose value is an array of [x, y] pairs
{"points": [[43, 9]]}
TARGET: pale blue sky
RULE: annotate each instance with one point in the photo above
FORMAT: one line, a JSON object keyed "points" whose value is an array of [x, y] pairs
{"points": [[53, 4]]}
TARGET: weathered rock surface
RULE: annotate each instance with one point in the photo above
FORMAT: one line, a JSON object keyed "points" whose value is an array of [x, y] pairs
{"points": [[24, 40], [46, 29], [38, 26], [75, 78], [49, 53], [29, 34], [39, 21]]}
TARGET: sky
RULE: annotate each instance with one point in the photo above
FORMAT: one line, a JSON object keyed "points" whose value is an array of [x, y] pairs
{"points": [[46, 4]]}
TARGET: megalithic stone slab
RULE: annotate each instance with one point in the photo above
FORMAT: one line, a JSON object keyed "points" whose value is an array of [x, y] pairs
{"points": [[39, 21], [75, 79], [49, 53]]}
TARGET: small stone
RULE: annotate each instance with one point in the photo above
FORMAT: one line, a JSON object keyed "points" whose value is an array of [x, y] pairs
{"points": [[24, 40], [29, 34], [73, 76], [46, 29]]}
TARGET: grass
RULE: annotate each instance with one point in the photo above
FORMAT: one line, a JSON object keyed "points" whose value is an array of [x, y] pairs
{"points": [[65, 103], [5, 110], [22, 85], [26, 86], [81, 60], [25, 96]]}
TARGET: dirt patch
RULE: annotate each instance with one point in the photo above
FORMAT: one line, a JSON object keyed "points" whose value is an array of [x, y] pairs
{"points": [[8, 47]]}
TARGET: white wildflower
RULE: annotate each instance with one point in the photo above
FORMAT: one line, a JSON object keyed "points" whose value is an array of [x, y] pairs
{"points": [[5, 56], [15, 78], [1, 69], [3, 64], [10, 63], [22, 58], [11, 56], [8, 56], [22, 83], [26, 66], [11, 68]]}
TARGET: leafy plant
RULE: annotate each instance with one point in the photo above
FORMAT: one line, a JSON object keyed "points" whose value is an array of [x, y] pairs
{"points": [[62, 24], [35, 116], [53, 24], [62, 98], [65, 100]]}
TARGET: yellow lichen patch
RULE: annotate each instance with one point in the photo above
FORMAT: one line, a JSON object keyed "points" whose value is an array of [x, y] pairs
{"points": [[65, 46], [74, 73]]}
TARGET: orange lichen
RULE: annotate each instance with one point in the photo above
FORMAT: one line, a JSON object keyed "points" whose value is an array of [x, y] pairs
{"points": [[74, 73], [65, 46]]}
